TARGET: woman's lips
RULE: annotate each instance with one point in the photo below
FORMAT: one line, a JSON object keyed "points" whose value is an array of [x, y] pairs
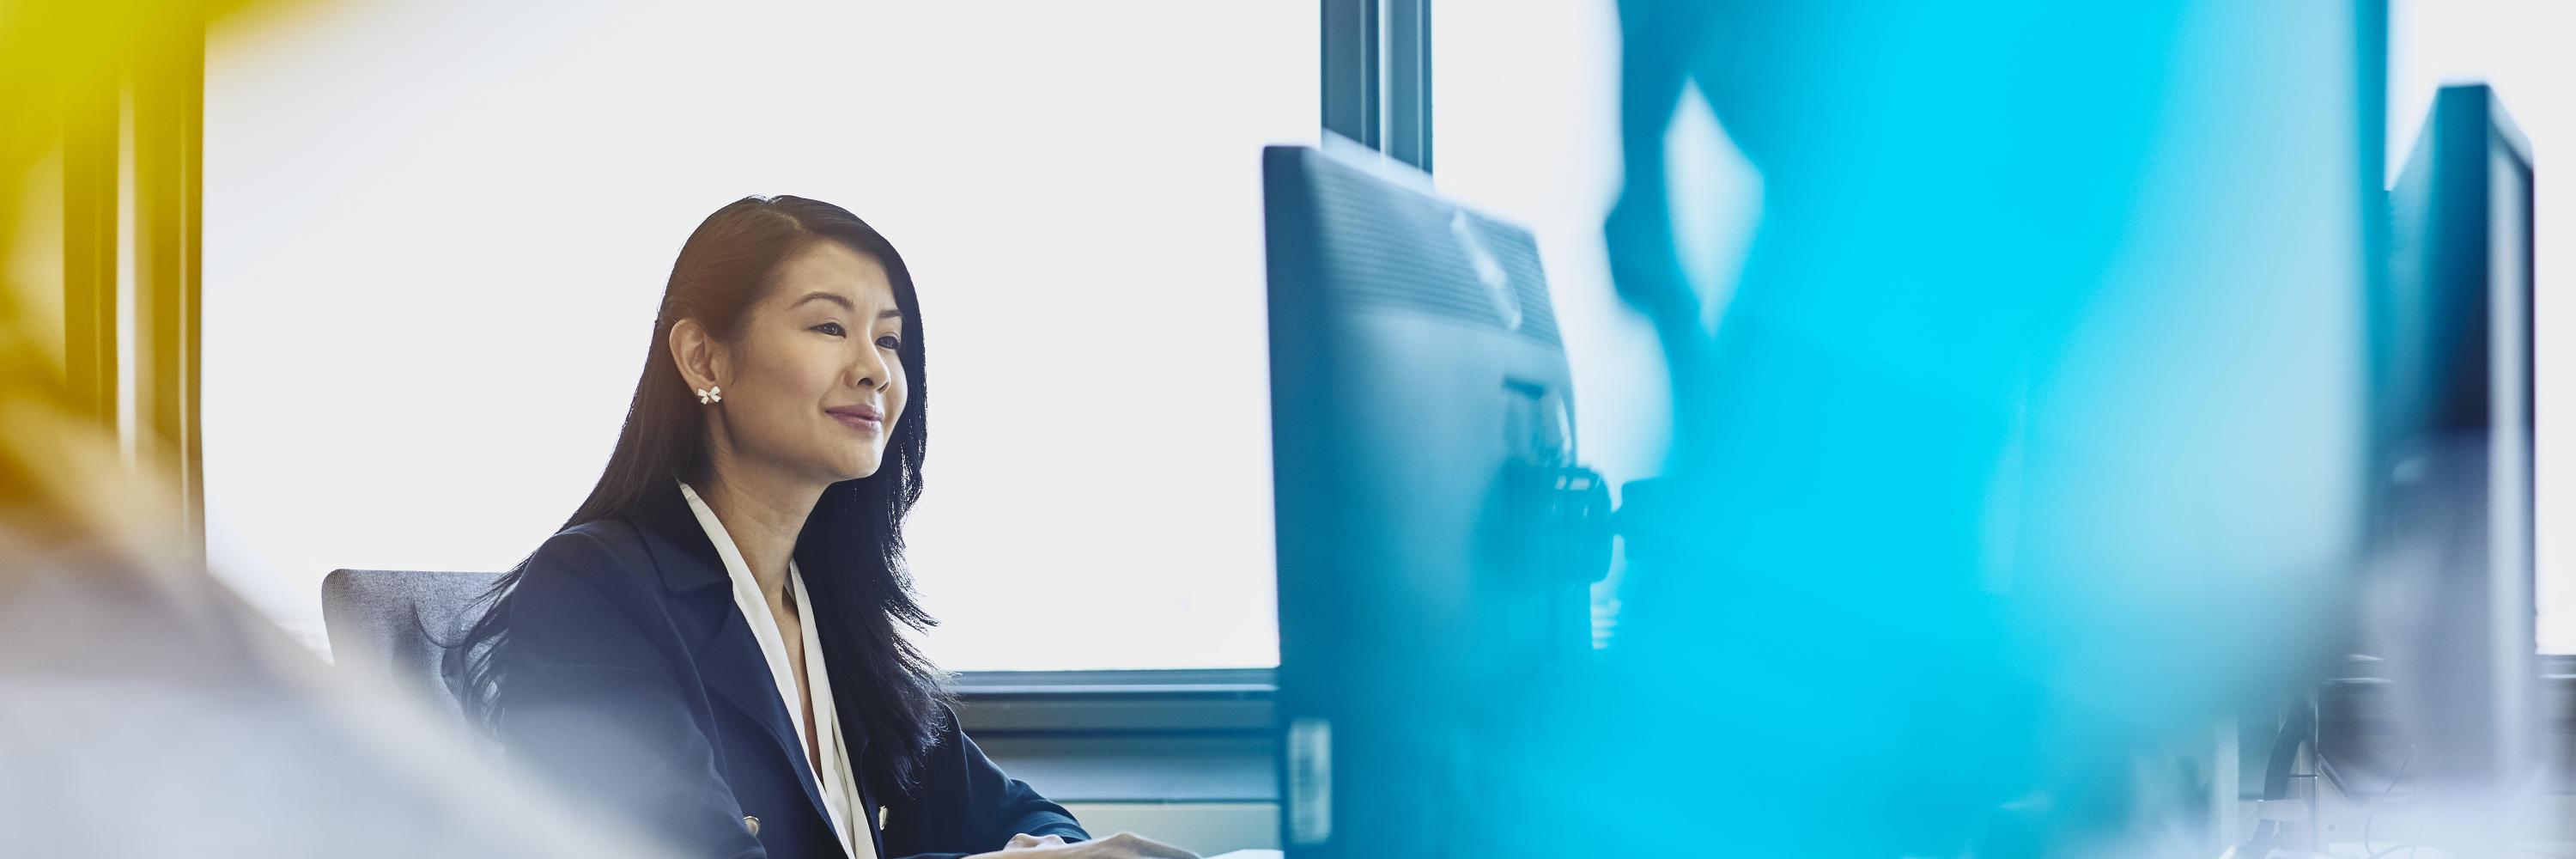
{"points": [[861, 418]]}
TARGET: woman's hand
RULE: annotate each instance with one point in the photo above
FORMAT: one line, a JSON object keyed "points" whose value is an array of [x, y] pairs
{"points": [[1124, 845]]}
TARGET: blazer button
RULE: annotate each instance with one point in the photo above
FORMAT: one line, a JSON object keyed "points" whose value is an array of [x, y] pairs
{"points": [[751, 823]]}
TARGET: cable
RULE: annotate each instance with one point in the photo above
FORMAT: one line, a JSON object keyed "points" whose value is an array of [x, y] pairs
{"points": [[2373, 815]]}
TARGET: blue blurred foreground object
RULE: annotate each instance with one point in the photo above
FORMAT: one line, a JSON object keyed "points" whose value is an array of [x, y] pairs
{"points": [[2029, 444], [2030, 440]]}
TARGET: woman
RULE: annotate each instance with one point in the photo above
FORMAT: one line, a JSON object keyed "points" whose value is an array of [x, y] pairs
{"points": [[714, 645]]}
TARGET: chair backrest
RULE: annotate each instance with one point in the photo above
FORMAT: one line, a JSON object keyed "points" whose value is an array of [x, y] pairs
{"points": [[392, 622]]}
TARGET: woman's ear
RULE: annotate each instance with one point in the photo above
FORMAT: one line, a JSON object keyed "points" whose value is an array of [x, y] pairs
{"points": [[700, 358]]}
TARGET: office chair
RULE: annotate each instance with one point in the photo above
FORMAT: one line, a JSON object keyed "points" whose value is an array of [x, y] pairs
{"points": [[392, 622]]}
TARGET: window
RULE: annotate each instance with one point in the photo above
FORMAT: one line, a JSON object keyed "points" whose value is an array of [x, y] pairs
{"points": [[436, 235]]}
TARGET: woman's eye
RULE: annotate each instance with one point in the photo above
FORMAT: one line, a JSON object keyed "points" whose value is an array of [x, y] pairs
{"points": [[832, 328], [889, 342]]}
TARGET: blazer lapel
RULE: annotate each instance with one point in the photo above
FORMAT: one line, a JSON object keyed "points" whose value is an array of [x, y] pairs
{"points": [[866, 788], [868, 807], [731, 664], [733, 667]]}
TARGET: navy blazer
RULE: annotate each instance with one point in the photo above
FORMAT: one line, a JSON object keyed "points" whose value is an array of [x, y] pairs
{"points": [[631, 679]]}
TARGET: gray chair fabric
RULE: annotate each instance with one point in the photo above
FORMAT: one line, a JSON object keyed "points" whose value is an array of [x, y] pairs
{"points": [[391, 622]]}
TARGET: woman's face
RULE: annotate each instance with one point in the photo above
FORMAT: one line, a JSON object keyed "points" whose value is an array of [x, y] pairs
{"points": [[814, 387]]}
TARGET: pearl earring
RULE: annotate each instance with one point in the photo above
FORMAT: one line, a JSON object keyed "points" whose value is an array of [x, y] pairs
{"points": [[710, 395]]}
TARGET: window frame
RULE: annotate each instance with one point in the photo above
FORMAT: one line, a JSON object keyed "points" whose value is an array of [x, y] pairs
{"points": [[1149, 735]]}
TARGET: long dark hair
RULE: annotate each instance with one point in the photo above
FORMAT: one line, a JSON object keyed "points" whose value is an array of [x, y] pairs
{"points": [[852, 544]]}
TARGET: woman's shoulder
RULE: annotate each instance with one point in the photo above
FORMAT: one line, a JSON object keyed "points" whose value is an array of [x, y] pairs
{"points": [[586, 562], [588, 596]]}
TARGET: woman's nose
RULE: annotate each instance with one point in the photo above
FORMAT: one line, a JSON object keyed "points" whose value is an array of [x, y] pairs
{"points": [[870, 370]]}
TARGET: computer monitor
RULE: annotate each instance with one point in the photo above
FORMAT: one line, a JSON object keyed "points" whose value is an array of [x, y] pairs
{"points": [[1435, 535], [2447, 623]]}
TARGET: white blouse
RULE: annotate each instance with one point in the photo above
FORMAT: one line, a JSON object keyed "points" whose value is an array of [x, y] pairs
{"points": [[840, 788]]}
